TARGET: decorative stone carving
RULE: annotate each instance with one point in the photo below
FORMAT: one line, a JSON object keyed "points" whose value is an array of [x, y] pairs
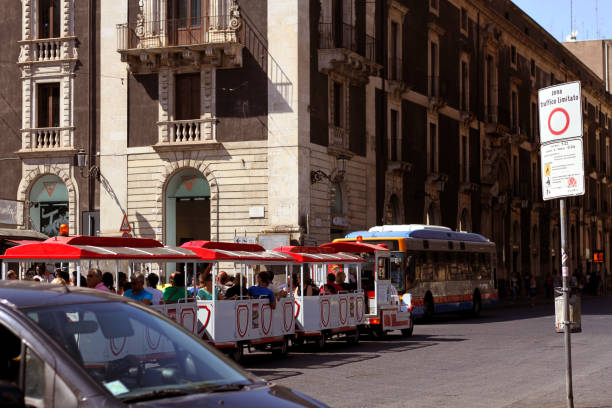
{"points": [[235, 21]]}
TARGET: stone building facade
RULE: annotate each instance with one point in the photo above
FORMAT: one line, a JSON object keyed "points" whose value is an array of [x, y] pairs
{"points": [[295, 121]]}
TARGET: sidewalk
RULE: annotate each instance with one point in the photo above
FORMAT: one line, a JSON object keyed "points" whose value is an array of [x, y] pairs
{"points": [[522, 301]]}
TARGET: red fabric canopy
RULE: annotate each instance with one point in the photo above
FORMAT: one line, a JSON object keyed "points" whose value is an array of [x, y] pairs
{"points": [[220, 251], [319, 254], [355, 247]]}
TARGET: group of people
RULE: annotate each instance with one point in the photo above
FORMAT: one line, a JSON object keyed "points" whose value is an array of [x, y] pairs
{"points": [[144, 289]]}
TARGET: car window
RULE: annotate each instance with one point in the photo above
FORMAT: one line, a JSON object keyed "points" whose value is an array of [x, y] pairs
{"points": [[34, 377], [130, 351]]}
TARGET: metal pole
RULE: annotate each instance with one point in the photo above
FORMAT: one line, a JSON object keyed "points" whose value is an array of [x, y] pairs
{"points": [[566, 317]]}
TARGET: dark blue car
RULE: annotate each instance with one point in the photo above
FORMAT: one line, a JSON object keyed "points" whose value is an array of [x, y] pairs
{"points": [[66, 347]]}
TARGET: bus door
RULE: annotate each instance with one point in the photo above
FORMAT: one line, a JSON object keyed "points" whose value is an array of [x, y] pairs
{"points": [[397, 271]]}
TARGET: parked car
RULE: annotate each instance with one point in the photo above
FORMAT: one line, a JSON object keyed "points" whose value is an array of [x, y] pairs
{"points": [[66, 346]]}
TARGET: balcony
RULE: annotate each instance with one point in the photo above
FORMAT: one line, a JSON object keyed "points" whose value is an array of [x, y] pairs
{"points": [[187, 133], [338, 138], [144, 45], [47, 50], [45, 141], [343, 50]]}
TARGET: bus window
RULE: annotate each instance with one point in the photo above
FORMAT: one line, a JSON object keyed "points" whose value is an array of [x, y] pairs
{"points": [[427, 268], [471, 269], [383, 268], [462, 263], [485, 266], [397, 272], [453, 269], [440, 267], [410, 271]]}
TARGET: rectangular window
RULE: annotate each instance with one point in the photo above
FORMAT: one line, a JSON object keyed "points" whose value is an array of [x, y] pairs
{"points": [[464, 19], [490, 86], [532, 70], [48, 19], [464, 159], [514, 111], [513, 55], [187, 96], [394, 148], [433, 83], [534, 121], [394, 64], [552, 78], [338, 105], [48, 105], [433, 146], [516, 174], [465, 94], [433, 5]]}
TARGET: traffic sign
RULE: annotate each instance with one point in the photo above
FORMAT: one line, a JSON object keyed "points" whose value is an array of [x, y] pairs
{"points": [[125, 225], [560, 110], [126, 235], [562, 169]]}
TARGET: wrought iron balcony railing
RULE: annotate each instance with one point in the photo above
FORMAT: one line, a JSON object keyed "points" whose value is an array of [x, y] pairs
{"points": [[348, 37], [179, 32]]}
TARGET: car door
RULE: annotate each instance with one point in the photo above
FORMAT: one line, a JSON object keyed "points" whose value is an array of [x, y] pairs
{"points": [[30, 364]]}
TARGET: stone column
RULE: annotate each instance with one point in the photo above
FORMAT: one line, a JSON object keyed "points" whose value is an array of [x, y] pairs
{"points": [[288, 118], [207, 95]]}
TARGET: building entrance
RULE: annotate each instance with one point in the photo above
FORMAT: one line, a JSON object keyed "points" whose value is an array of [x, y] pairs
{"points": [[48, 205]]}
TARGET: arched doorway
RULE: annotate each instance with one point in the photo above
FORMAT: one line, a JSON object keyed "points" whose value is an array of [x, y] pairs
{"points": [[187, 213], [48, 205], [464, 221], [338, 211], [395, 210]]}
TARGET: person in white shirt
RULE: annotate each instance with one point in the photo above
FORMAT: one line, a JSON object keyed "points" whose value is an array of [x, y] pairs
{"points": [[152, 280]]}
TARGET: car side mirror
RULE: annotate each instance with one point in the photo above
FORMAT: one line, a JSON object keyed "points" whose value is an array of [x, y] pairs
{"points": [[11, 395]]}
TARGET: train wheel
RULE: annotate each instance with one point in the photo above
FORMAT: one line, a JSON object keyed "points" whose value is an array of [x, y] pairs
{"points": [[428, 307], [476, 304], [321, 341], [237, 353], [377, 332], [353, 337], [283, 349], [407, 332], [297, 341]]}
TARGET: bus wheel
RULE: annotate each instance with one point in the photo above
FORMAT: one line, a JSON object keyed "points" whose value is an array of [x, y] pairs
{"points": [[476, 304], [237, 353], [428, 307]]}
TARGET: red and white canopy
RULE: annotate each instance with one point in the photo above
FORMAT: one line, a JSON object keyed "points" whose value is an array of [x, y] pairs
{"points": [[75, 248], [320, 255], [228, 251]]}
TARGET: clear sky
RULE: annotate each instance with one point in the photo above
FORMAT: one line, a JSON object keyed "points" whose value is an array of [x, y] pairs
{"points": [[554, 17]]}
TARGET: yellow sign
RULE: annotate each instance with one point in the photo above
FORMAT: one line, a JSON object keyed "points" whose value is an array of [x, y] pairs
{"points": [[547, 170]]}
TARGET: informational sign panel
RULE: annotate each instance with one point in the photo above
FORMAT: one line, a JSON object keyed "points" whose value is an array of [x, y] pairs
{"points": [[562, 169], [11, 212], [560, 109]]}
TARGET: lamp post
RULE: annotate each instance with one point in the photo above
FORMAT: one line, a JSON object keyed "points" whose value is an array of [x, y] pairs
{"points": [[87, 172], [340, 171]]}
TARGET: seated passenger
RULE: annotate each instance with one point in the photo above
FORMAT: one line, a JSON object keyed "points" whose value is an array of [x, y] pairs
{"points": [[238, 289], [262, 289], [340, 281], [138, 292], [177, 290], [309, 288], [331, 287], [206, 288]]}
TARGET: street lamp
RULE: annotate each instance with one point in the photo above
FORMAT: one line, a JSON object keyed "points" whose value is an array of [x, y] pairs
{"points": [[319, 175], [93, 171]]}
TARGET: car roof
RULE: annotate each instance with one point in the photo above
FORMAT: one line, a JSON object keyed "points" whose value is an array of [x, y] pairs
{"points": [[27, 294]]}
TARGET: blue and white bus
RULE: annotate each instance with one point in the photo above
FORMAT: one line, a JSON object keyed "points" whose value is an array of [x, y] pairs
{"points": [[443, 270]]}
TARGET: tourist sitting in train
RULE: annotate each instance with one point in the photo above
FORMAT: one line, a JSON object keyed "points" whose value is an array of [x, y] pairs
{"points": [[261, 289], [309, 288], [206, 288], [138, 292], [340, 281], [177, 291], [239, 289], [331, 287], [221, 285]]}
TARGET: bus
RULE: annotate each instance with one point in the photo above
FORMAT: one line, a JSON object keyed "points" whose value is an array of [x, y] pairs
{"points": [[443, 270]]}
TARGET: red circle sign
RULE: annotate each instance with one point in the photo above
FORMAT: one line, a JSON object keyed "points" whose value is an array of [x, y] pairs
{"points": [[567, 121]]}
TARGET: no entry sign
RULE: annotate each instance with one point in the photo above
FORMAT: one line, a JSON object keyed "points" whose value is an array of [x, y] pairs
{"points": [[560, 109]]}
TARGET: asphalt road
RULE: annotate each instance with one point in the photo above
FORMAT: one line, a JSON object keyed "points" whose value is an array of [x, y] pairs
{"points": [[507, 358]]}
